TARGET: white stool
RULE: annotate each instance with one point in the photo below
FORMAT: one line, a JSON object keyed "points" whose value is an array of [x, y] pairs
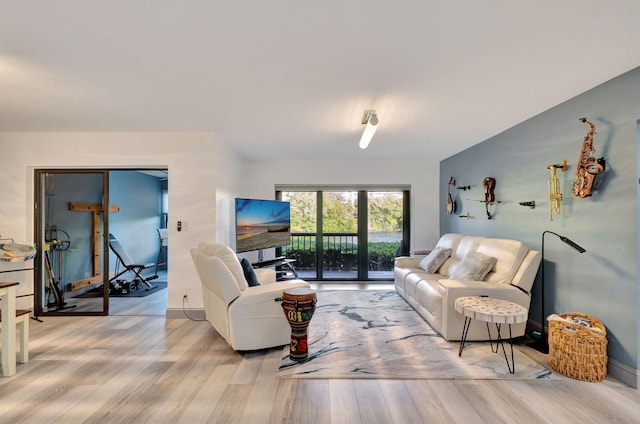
{"points": [[497, 311]]}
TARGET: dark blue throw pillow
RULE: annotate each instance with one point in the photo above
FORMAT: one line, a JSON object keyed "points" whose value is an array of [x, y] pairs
{"points": [[249, 273]]}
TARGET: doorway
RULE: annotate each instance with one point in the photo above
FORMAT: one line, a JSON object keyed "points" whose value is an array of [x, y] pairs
{"points": [[77, 271]]}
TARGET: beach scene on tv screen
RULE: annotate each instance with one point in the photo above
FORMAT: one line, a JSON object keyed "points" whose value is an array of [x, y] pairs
{"points": [[261, 224]]}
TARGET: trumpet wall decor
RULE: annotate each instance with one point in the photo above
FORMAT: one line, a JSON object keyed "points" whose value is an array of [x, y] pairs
{"points": [[555, 197]]}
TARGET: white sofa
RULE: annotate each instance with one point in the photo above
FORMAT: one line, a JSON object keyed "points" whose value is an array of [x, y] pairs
{"points": [[433, 294], [248, 318]]}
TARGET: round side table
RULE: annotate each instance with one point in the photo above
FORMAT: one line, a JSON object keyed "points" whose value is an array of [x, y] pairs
{"points": [[491, 310]]}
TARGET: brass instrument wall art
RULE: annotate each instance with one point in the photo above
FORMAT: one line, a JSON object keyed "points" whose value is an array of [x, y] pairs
{"points": [[555, 197], [588, 166], [531, 204]]}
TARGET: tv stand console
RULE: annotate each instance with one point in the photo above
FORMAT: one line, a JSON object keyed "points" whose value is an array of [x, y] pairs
{"points": [[278, 262]]}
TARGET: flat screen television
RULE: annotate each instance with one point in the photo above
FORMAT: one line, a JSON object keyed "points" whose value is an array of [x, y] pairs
{"points": [[262, 224]]}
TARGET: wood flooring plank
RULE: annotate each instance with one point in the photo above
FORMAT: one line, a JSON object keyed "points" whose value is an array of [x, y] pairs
{"points": [[426, 401], [371, 403], [122, 369], [121, 381], [493, 403], [263, 394], [455, 403], [209, 394], [188, 380], [249, 367], [594, 400], [131, 403], [50, 412], [344, 402], [229, 407], [310, 403], [285, 397], [399, 402], [24, 398], [551, 401]]}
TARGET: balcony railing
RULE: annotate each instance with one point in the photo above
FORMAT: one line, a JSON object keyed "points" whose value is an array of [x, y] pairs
{"points": [[339, 254]]}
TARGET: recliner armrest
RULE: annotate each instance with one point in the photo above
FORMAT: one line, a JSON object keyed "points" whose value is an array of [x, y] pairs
{"points": [[265, 275], [265, 293]]}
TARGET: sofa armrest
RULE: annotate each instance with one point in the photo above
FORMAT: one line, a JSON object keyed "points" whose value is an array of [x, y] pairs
{"points": [[265, 275], [453, 289], [408, 261]]}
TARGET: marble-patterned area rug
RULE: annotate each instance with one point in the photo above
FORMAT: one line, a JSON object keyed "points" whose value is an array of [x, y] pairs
{"points": [[376, 334]]}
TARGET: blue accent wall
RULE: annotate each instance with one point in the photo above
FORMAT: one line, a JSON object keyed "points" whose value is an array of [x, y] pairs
{"points": [[72, 226], [603, 282], [135, 226]]}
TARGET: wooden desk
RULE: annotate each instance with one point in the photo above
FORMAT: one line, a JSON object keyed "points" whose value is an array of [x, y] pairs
{"points": [[8, 307]]}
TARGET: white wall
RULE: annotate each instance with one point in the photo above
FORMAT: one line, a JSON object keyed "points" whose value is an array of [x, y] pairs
{"points": [[204, 178], [422, 175], [197, 165]]}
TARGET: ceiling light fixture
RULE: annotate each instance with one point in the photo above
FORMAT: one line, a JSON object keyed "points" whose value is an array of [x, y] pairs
{"points": [[370, 118]]}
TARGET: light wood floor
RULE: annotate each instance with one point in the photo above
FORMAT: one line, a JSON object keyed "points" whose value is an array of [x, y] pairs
{"points": [[139, 369]]}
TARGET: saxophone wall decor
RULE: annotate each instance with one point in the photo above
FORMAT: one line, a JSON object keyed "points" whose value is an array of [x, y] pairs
{"points": [[588, 166]]}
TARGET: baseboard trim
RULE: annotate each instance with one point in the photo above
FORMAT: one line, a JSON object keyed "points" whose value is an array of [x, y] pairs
{"points": [[179, 313], [624, 373]]}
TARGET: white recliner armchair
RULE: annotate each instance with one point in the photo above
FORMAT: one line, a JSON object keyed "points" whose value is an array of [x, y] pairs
{"points": [[248, 318]]}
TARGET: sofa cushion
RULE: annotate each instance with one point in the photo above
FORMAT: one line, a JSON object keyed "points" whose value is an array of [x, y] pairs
{"points": [[450, 241], [474, 266], [509, 254], [465, 245], [435, 259]]}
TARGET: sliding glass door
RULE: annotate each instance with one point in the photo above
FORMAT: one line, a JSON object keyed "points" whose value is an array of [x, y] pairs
{"points": [[384, 231], [347, 234], [71, 219]]}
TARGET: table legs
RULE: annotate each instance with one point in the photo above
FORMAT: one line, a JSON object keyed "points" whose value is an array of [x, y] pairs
{"points": [[512, 367], [465, 330]]}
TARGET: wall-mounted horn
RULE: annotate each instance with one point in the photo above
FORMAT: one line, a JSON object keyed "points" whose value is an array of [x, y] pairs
{"points": [[555, 197], [531, 204]]}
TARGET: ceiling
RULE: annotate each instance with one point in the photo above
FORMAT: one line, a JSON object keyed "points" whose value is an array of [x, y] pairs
{"points": [[290, 79]]}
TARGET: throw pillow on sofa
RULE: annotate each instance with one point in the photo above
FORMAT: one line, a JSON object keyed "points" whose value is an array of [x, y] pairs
{"points": [[474, 266], [432, 262], [249, 273]]}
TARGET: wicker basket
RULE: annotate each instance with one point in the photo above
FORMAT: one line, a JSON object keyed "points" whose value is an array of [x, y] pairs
{"points": [[578, 346]]}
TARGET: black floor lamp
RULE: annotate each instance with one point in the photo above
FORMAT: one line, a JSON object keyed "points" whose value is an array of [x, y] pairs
{"points": [[542, 345]]}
